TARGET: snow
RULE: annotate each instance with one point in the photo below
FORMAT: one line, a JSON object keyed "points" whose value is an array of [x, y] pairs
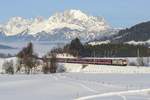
{"points": [[78, 14], [75, 86], [136, 43], [80, 82], [65, 55], [99, 43], [15, 26], [105, 69], [114, 93]]}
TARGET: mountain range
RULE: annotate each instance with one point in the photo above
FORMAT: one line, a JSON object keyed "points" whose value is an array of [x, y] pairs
{"points": [[61, 26], [67, 25]]}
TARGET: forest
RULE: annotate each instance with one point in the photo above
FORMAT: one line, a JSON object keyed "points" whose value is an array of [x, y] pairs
{"points": [[76, 48]]}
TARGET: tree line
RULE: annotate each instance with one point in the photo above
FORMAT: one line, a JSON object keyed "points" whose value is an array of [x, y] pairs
{"points": [[76, 48]]}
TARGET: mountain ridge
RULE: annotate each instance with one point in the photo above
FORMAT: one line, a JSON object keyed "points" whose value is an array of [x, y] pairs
{"points": [[65, 25], [137, 34]]}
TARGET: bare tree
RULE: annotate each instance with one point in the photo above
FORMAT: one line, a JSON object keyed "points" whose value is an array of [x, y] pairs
{"points": [[46, 67], [18, 65], [50, 63], [53, 64], [28, 58]]}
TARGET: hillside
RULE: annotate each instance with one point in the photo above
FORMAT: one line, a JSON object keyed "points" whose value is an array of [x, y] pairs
{"points": [[139, 32]]}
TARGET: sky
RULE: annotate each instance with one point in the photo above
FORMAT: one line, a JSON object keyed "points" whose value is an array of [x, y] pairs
{"points": [[118, 13]]}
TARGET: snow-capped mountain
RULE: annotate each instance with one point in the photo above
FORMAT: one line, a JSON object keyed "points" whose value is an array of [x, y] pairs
{"points": [[61, 26]]}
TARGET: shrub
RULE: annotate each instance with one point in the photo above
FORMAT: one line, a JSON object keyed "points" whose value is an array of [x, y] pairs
{"points": [[8, 67], [132, 64], [45, 69], [61, 69]]}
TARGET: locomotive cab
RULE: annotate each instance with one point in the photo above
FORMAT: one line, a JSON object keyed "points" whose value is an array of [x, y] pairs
{"points": [[119, 62]]}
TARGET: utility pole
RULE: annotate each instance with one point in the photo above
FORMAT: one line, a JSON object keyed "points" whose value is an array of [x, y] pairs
{"points": [[108, 54], [94, 56], [105, 53], [138, 55], [148, 58]]}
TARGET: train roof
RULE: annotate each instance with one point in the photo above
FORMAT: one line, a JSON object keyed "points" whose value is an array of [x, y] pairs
{"points": [[100, 58]]}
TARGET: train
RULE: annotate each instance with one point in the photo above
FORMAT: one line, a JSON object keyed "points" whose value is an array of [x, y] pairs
{"points": [[96, 61]]}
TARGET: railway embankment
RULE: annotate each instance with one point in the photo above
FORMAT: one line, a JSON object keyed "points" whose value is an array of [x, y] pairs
{"points": [[104, 68]]}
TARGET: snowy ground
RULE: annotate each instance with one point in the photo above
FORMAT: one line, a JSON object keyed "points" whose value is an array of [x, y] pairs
{"points": [[75, 86], [93, 82]]}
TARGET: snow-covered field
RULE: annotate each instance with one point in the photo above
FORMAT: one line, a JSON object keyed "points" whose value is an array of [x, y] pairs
{"points": [[75, 86], [91, 82]]}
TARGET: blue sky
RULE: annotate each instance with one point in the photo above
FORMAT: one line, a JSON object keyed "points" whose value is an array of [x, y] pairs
{"points": [[118, 13]]}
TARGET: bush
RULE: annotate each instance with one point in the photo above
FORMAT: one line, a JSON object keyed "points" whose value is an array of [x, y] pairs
{"points": [[8, 67], [45, 69], [61, 69], [132, 64]]}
